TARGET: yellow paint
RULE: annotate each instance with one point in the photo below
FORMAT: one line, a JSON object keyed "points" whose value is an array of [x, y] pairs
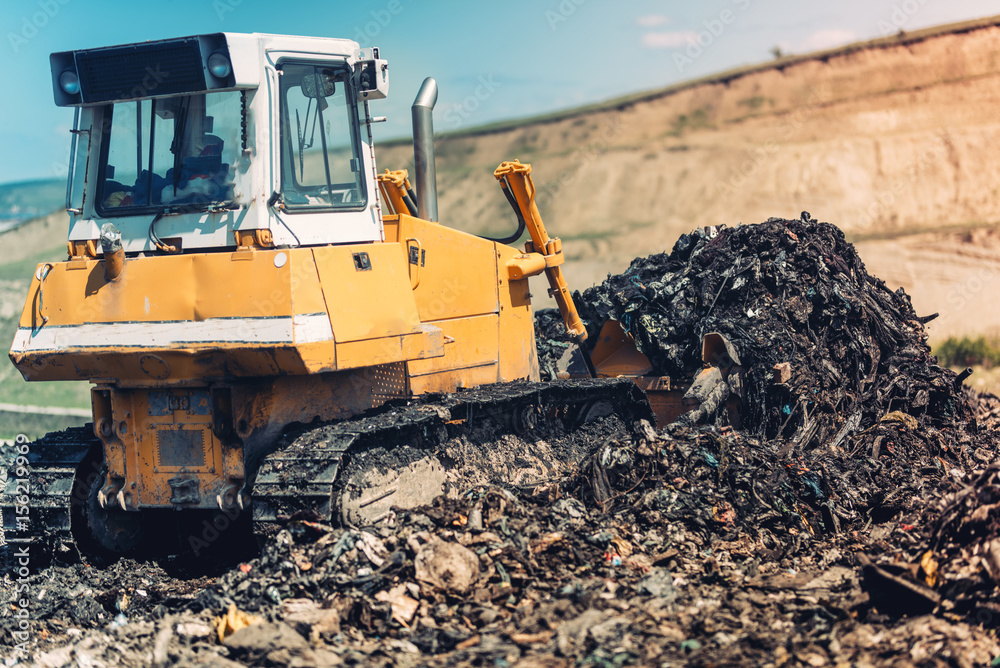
{"points": [[426, 343], [459, 273], [615, 353], [367, 304], [393, 186], [518, 355], [469, 342]]}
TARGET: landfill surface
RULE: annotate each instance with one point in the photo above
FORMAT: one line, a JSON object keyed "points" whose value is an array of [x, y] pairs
{"points": [[849, 519]]}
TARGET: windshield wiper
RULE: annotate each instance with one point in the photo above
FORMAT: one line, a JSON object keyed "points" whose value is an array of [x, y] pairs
{"points": [[152, 136], [322, 137], [302, 141], [300, 131]]}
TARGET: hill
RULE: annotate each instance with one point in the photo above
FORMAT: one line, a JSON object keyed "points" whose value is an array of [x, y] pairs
{"points": [[886, 139], [26, 200]]}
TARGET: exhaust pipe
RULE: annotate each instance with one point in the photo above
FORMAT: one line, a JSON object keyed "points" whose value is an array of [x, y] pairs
{"points": [[114, 254], [423, 149]]}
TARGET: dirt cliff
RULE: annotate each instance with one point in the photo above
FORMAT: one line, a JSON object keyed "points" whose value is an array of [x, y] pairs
{"points": [[882, 138]]}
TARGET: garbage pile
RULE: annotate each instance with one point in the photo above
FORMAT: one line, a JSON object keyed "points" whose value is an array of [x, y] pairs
{"points": [[657, 552], [952, 564], [865, 437], [823, 343]]}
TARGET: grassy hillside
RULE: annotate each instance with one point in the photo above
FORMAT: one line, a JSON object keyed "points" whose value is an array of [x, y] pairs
{"points": [[38, 240], [29, 199]]}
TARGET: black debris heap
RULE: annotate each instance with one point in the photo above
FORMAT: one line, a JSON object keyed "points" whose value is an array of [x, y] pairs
{"points": [[789, 292]]}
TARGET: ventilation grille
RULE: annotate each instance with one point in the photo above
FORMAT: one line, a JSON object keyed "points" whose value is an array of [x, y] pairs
{"points": [[121, 73], [388, 382]]}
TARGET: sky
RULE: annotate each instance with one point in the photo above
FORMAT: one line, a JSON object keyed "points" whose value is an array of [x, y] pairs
{"points": [[492, 60]]}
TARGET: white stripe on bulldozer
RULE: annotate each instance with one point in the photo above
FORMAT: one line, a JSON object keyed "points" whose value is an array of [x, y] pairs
{"points": [[45, 410]]}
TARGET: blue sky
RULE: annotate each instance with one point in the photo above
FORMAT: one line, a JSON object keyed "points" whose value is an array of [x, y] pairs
{"points": [[492, 60]]}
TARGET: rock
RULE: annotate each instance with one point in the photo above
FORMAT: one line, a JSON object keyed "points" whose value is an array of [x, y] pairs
{"points": [[447, 566], [57, 658], [609, 631], [212, 661], [194, 630], [310, 619], [573, 633], [278, 642], [782, 372], [659, 583], [161, 645], [403, 607]]}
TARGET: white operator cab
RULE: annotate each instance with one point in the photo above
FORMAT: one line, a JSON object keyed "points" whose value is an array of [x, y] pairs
{"points": [[182, 142]]}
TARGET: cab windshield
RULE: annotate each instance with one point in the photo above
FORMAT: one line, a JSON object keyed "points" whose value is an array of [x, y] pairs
{"points": [[320, 159], [170, 153]]}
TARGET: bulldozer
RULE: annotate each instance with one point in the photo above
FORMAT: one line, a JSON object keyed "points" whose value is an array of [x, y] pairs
{"points": [[259, 310]]}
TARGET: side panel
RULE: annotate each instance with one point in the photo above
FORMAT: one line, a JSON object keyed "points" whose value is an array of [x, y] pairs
{"points": [[190, 287], [462, 287], [456, 272], [369, 301], [470, 356], [220, 316]]}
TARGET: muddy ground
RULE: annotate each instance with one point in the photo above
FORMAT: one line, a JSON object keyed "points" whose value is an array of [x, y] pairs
{"points": [[847, 516]]}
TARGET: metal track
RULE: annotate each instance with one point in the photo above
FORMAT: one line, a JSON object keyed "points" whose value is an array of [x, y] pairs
{"points": [[307, 475], [44, 495]]}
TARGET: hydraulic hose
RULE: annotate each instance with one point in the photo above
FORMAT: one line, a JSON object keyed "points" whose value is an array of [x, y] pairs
{"points": [[505, 186]]}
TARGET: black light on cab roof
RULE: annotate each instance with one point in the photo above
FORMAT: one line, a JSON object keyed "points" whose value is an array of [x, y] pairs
{"points": [[69, 82], [219, 65], [163, 68]]}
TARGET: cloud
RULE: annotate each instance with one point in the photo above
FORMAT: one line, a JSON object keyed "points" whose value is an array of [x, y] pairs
{"points": [[818, 41], [653, 20], [827, 39], [669, 40]]}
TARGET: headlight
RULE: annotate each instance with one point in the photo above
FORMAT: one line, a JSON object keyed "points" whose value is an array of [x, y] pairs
{"points": [[69, 82], [218, 65]]}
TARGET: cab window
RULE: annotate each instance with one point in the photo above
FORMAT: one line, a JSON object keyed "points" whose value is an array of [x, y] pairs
{"points": [[320, 157], [170, 153]]}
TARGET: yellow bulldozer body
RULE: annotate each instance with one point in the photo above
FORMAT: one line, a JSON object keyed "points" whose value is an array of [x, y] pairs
{"points": [[193, 355]]}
